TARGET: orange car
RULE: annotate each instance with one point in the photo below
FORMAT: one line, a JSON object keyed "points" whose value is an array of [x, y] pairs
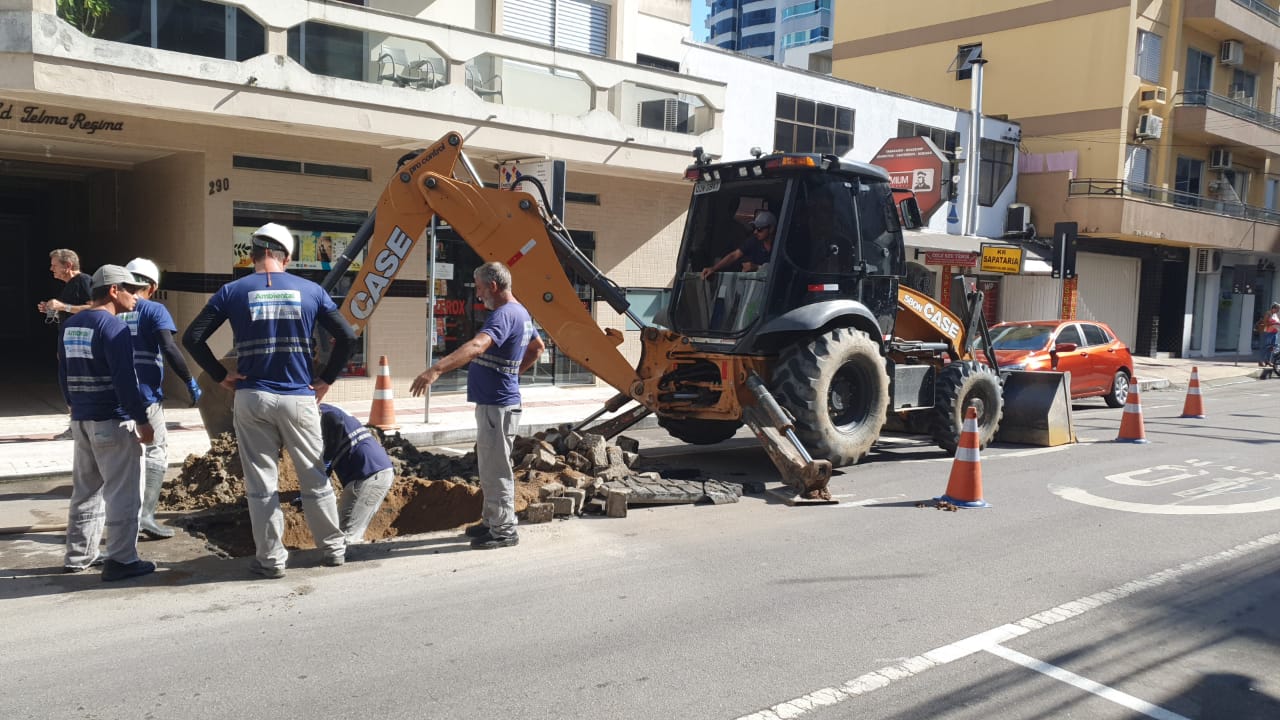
{"points": [[1100, 365]]}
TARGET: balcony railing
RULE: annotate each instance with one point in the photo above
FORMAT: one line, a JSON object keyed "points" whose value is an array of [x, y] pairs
{"points": [[375, 46], [1234, 108], [1175, 198], [1261, 9]]}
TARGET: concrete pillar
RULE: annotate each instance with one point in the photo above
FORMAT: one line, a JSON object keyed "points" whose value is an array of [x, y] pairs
{"points": [[278, 41]]}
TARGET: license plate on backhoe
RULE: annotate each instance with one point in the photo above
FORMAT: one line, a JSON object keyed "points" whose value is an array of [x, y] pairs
{"points": [[702, 187]]}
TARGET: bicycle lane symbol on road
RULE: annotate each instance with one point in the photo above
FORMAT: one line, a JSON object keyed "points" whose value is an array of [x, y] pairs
{"points": [[1194, 487]]}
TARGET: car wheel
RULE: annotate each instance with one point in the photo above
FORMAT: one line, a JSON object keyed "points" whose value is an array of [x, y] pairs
{"points": [[1119, 391]]}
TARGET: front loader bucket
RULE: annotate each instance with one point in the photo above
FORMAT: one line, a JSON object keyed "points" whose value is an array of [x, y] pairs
{"points": [[1037, 409]]}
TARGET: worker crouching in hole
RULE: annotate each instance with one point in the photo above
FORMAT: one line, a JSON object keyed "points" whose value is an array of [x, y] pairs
{"points": [[362, 465]]}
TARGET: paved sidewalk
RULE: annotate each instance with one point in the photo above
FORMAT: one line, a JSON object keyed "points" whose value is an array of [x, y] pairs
{"points": [[29, 447]]}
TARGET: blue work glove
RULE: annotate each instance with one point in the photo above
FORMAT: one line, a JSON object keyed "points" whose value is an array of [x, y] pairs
{"points": [[194, 389]]}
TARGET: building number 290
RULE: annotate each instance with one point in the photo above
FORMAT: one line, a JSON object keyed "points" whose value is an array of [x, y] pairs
{"points": [[217, 186]]}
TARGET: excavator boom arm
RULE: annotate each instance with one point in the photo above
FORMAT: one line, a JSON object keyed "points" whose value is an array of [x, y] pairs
{"points": [[499, 225]]}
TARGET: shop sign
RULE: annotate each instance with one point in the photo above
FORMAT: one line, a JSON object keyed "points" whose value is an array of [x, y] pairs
{"points": [[956, 259], [1005, 259], [37, 115], [315, 250]]}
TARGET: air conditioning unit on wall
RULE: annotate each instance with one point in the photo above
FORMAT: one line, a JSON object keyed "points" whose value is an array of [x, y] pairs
{"points": [[1231, 52], [1152, 96], [667, 114], [1149, 127], [1208, 260], [1219, 159]]}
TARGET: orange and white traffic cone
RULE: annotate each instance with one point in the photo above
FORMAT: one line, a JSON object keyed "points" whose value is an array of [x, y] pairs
{"points": [[1194, 406], [1131, 427], [964, 487], [382, 414]]}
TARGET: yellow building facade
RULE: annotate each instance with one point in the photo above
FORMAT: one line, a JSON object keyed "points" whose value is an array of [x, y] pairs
{"points": [[1152, 125]]}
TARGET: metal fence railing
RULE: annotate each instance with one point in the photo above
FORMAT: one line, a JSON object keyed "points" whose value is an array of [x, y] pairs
{"points": [[1262, 9], [1235, 108], [1173, 198]]}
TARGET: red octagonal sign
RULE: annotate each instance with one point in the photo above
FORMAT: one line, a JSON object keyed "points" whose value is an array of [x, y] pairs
{"points": [[915, 164]]}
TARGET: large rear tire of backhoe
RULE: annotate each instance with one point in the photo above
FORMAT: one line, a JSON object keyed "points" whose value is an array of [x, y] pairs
{"points": [[960, 385], [837, 390], [700, 432]]}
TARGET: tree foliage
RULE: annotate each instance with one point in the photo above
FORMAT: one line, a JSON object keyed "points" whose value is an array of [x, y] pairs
{"points": [[84, 14]]}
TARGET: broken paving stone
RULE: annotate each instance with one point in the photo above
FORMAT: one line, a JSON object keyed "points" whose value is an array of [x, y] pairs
{"points": [[578, 461], [572, 439], [614, 454], [544, 457], [571, 478], [615, 505], [536, 513], [593, 448], [627, 444], [629, 458], [652, 489], [613, 472], [550, 490], [562, 505], [579, 498]]}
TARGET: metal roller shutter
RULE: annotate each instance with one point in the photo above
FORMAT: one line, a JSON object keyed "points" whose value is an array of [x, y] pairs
{"points": [[571, 24], [1108, 292], [530, 20]]}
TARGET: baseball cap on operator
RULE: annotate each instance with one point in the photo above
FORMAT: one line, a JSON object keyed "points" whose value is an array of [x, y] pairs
{"points": [[109, 275], [274, 236], [763, 219]]}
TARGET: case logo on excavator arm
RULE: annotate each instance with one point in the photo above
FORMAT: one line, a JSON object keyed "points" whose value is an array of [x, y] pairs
{"points": [[365, 298], [937, 317]]}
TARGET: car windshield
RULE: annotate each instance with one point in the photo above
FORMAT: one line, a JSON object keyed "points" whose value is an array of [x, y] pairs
{"points": [[1021, 337]]}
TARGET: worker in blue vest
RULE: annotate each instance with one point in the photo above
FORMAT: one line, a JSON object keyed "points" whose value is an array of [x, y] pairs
{"points": [[108, 429], [153, 345], [273, 318], [362, 466]]}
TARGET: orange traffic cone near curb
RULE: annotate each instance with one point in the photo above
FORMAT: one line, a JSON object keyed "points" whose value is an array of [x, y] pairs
{"points": [[1194, 406], [964, 488], [1131, 428], [382, 414]]}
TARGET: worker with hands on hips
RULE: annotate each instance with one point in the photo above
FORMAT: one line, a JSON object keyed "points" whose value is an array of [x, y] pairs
{"points": [[96, 374], [152, 328], [273, 317]]}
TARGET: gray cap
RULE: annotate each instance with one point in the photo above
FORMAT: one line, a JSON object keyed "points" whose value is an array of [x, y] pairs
{"points": [[108, 275]]}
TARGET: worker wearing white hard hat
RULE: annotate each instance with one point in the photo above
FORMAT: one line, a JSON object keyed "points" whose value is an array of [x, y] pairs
{"points": [[273, 316], [153, 331]]}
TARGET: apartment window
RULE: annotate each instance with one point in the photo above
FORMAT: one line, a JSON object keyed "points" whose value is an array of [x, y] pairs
{"points": [[1187, 180], [759, 17], [1147, 63], [1198, 76], [995, 170], [571, 24], [724, 26], [1273, 194], [657, 62], [809, 126], [806, 8], [1244, 87], [946, 140], [965, 55], [755, 41], [1137, 160], [188, 26]]}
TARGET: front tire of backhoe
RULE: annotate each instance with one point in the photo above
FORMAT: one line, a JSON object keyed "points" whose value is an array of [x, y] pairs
{"points": [[699, 432], [837, 390], [960, 385]]}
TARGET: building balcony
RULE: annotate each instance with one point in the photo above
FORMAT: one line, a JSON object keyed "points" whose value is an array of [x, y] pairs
{"points": [[1203, 117], [1257, 22], [1135, 212], [342, 71]]}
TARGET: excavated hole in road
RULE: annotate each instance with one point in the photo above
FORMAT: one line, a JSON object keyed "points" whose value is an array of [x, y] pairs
{"points": [[431, 492]]}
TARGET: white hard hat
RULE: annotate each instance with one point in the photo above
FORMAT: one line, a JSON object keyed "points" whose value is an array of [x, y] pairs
{"points": [[276, 233], [144, 269]]}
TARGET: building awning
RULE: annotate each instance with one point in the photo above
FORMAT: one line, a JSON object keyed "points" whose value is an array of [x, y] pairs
{"points": [[1036, 259]]}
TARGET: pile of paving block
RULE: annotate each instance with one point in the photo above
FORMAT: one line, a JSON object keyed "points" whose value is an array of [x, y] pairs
{"points": [[576, 473]]}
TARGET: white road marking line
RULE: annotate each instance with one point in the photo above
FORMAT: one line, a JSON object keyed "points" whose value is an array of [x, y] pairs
{"points": [[449, 451], [1107, 693], [1084, 497], [868, 501], [996, 636]]}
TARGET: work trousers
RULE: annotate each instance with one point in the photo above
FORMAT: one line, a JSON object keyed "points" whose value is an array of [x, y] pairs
{"points": [[156, 455], [360, 500], [265, 423], [105, 468], [495, 432]]}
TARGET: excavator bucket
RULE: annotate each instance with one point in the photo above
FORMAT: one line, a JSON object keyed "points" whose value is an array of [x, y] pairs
{"points": [[1037, 409]]}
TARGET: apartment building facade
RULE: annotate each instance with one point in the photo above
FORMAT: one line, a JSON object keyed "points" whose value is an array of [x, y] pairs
{"points": [[1152, 126], [796, 33], [172, 129]]}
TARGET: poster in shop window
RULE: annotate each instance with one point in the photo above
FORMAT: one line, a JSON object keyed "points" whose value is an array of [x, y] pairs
{"points": [[315, 249]]}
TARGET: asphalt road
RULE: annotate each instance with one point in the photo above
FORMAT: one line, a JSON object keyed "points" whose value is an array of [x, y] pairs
{"points": [[1107, 581]]}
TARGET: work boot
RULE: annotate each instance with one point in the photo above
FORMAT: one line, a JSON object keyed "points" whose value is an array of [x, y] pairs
{"points": [[96, 562], [272, 573], [334, 560], [489, 542], [477, 530], [147, 524], [114, 571]]}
